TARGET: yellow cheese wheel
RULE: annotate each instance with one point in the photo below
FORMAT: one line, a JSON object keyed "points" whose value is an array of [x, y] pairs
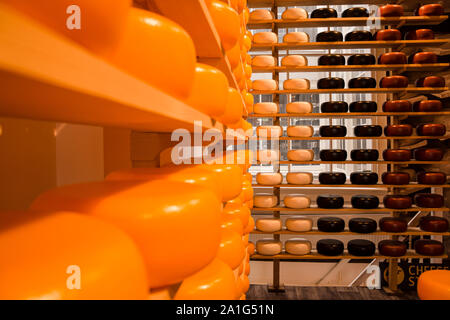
{"points": [[234, 108], [231, 250], [172, 223], [232, 223], [214, 282], [227, 22], [48, 255], [158, 51]]}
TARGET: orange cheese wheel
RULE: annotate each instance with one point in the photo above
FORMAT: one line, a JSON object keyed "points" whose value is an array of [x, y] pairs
{"points": [[172, 223], [243, 213], [250, 225], [101, 23], [243, 297], [214, 282], [434, 285], [165, 59], [246, 15], [248, 177], [227, 22], [234, 56], [43, 253], [241, 268], [233, 204], [232, 223], [231, 250], [163, 293], [210, 90], [247, 191], [248, 71], [245, 283], [249, 204], [249, 84], [234, 107], [242, 5], [245, 42], [247, 269], [250, 248]]}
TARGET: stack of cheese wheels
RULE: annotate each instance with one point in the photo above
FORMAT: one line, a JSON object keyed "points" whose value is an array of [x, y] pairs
{"points": [[294, 60], [268, 224], [54, 255], [299, 177], [265, 108], [294, 14], [186, 226], [300, 155], [299, 107], [297, 201], [297, 246], [265, 37], [296, 84], [268, 247], [269, 178], [300, 131], [261, 15], [265, 201]]}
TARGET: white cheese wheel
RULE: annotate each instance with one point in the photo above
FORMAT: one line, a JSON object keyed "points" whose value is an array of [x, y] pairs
{"points": [[296, 84], [264, 84], [265, 201], [268, 225], [300, 131], [300, 155], [269, 131], [265, 108], [261, 14], [294, 60], [297, 201], [268, 156], [299, 177], [295, 37], [294, 14], [268, 247], [299, 224], [269, 178], [266, 37], [297, 246], [264, 61], [299, 107]]}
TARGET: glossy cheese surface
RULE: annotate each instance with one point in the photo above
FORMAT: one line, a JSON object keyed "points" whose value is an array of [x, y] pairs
{"points": [[364, 177], [364, 155], [265, 201], [363, 106], [361, 247], [268, 247], [296, 37], [333, 155], [334, 107], [296, 84], [434, 224], [361, 59], [362, 225], [362, 82], [431, 177], [434, 285], [300, 131], [324, 13], [265, 38], [297, 246], [330, 247], [333, 131], [332, 177], [297, 201], [427, 106], [330, 201], [355, 12], [431, 81], [420, 34], [397, 201], [396, 57], [359, 36], [393, 224], [396, 178], [331, 83], [388, 35], [428, 154], [294, 14], [299, 224], [394, 82], [329, 36], [264, 61], [367, 131], [392, 248], [434, 9], [397, 155], [331, 60], [431, 129], [299, 177], [299, 107], [294, 60], [269, 179], [390, 10], [231, 249], [363, 201], [268, 225], [265, 108], [227, 22], [300, 155], [398, 130], [424, 57], [330, 224], [397, 106]]}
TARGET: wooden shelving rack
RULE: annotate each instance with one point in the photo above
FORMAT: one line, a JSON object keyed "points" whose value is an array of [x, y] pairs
{"points": [[280, 49]]}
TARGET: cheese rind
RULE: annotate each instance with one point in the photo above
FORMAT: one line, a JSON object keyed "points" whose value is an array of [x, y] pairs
{"points": [[299, 224], [299, 107], [265, 108], [296, 84], [269, 178], [266, 37], [268, 225], [300, 131], [264, 61], [261, 14], [294, 60], [300, 155], [265, 201], [297, 201], [297, 246], [294, 14], [295, 37], [299, 177], [268, 247], [265, 84]]}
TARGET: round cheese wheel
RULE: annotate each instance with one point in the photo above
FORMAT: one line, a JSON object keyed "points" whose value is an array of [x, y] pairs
{"points": [[397, 155], [433, 285], [394, 82], [299, 224], [393, 58], [330, 247], [332, 177], [424, 57], [330, 201], [264, 61], [296, 84], [388, 35], [297, 246], [233, 109], [297, 201], [362, 82], [334, 107], [249, 228], [396, 178], [397, 106], [333, 155], [294, 14], [431, 178], [363, 106], [227, 22], [393, 224], [428, 154], [368, 131], [265, 38], [233, 223], [231, 249], [364, 155], [427, 106], [261, 15], [300, 131], [427, 247], [331, 60], [250, 248], [392, 201], [361, 247], [300, 155], [265, 201], [264, 84], [434, 224], [269, 131], [329, 36], [324, 13], [362, 225], [268, 225], [428, 200], [299, 107], [294, 60], [46, 251], [420, 34], [431, 129], [434, 9], [269, 178], [296, 37], [365, 177], [390, 10], [268, 247], [361, 59], [359, 36], [299, 177], [230, 176], [431, 81], [265, 108], [362, 201], [333, 131], [126, 205], [268, 156], [391, 248], [242, 212], [355, 12], [331, 83], [398, 130]]}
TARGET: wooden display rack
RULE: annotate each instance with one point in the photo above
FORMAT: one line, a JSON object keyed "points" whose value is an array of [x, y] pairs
{"points": [[391, 117]]}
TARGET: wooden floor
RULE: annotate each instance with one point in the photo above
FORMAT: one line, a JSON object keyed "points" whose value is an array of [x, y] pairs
{"points": [[260, 292]]}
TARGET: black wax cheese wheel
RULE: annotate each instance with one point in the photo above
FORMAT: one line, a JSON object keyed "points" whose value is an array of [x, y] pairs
{"points": [[359, 36], [391, 248], [362, 201], [333, 131], [332, 178], [363, 106], [355, 12], [362, 225], [322, 13], [368, 131], [333, 155], [364, 155], [331, 83], [329, 36], [331, 60], [361, 247], [330, 247], [330, 224], [365, 178], [334, 107], [361, 59], [330, 201], [362, 82]]}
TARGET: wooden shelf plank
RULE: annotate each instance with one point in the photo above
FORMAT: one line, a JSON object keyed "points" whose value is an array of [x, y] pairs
{"points": [[288, 3], [421, 90], [315, 232], [349, 45], [348, 185], [349, 210], [377, 67], [354, 138], [347, 22], [316, 256], [348, 114]]}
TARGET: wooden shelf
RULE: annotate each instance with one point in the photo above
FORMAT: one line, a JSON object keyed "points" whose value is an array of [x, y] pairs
{"points": [[348, 185], [347, 22], [355, 138], [421, 90], [348, 114], [344, 210], [398, 44], [379, 162], [376, 67], [289, 3], [315, 232]]}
